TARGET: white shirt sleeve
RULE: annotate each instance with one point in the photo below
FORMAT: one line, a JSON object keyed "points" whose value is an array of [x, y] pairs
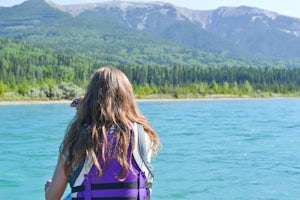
{"points": [[136, 154]]}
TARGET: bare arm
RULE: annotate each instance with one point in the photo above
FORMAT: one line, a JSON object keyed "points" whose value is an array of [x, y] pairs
{"points": [[54, 189]]}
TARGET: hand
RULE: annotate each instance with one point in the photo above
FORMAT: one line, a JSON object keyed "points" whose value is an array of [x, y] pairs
{"points": [[47, 184]]}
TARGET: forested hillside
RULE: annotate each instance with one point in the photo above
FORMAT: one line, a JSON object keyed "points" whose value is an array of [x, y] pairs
{"points": [[36, 72], [24, 66], [25, 63], [163, 49], [114, 32]]}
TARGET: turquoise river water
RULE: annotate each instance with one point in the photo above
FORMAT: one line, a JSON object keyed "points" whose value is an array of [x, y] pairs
{"points": [[216, 149]]}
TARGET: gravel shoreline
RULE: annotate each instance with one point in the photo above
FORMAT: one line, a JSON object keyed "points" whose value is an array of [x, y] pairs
{"points": [[34, 102], [138, 100]]}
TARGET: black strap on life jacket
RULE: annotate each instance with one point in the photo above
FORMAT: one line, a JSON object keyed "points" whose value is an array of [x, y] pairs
{"points": [[111, 198], [108, 186]]}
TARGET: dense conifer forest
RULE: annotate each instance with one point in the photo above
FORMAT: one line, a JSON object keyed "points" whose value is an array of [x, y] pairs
{"points": [[31, 72]]}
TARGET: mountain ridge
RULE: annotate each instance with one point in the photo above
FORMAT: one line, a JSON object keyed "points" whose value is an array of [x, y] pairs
{"points": [[234, 33]]}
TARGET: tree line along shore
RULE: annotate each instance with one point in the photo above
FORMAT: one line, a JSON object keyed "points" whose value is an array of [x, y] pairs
{"points": [[159, 82], [28, 72]]}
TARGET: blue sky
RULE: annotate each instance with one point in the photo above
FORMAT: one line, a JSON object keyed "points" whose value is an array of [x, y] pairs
{"points": [[286, 7]]}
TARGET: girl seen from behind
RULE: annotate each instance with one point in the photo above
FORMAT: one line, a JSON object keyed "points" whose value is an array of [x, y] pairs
{"points": [[107, 147]]}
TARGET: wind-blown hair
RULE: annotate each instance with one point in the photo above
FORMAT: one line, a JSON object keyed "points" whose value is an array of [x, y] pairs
{"points": [[109, 100]]}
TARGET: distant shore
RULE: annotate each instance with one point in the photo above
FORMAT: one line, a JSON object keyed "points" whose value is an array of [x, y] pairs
{"points": [[207, 98], [35, 102]]}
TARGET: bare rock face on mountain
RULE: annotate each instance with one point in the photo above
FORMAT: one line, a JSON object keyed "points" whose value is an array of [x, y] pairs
{"points": [[250, 28]]}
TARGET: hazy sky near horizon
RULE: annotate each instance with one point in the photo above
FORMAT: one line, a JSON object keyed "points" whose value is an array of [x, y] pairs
{"points": [[286, 7]]}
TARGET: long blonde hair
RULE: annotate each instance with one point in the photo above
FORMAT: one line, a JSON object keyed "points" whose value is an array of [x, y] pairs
{"points": [[109, 100]]}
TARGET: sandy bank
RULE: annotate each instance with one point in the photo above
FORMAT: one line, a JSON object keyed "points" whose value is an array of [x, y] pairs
{"points": [[34, 102], [211, 98]]}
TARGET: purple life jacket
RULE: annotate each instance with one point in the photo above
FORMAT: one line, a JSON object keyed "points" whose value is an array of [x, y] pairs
{"points": [[107, 186]]}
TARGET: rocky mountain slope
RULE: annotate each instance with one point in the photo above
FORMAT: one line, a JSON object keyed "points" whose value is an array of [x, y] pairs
{"points": [[240, 34]]}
